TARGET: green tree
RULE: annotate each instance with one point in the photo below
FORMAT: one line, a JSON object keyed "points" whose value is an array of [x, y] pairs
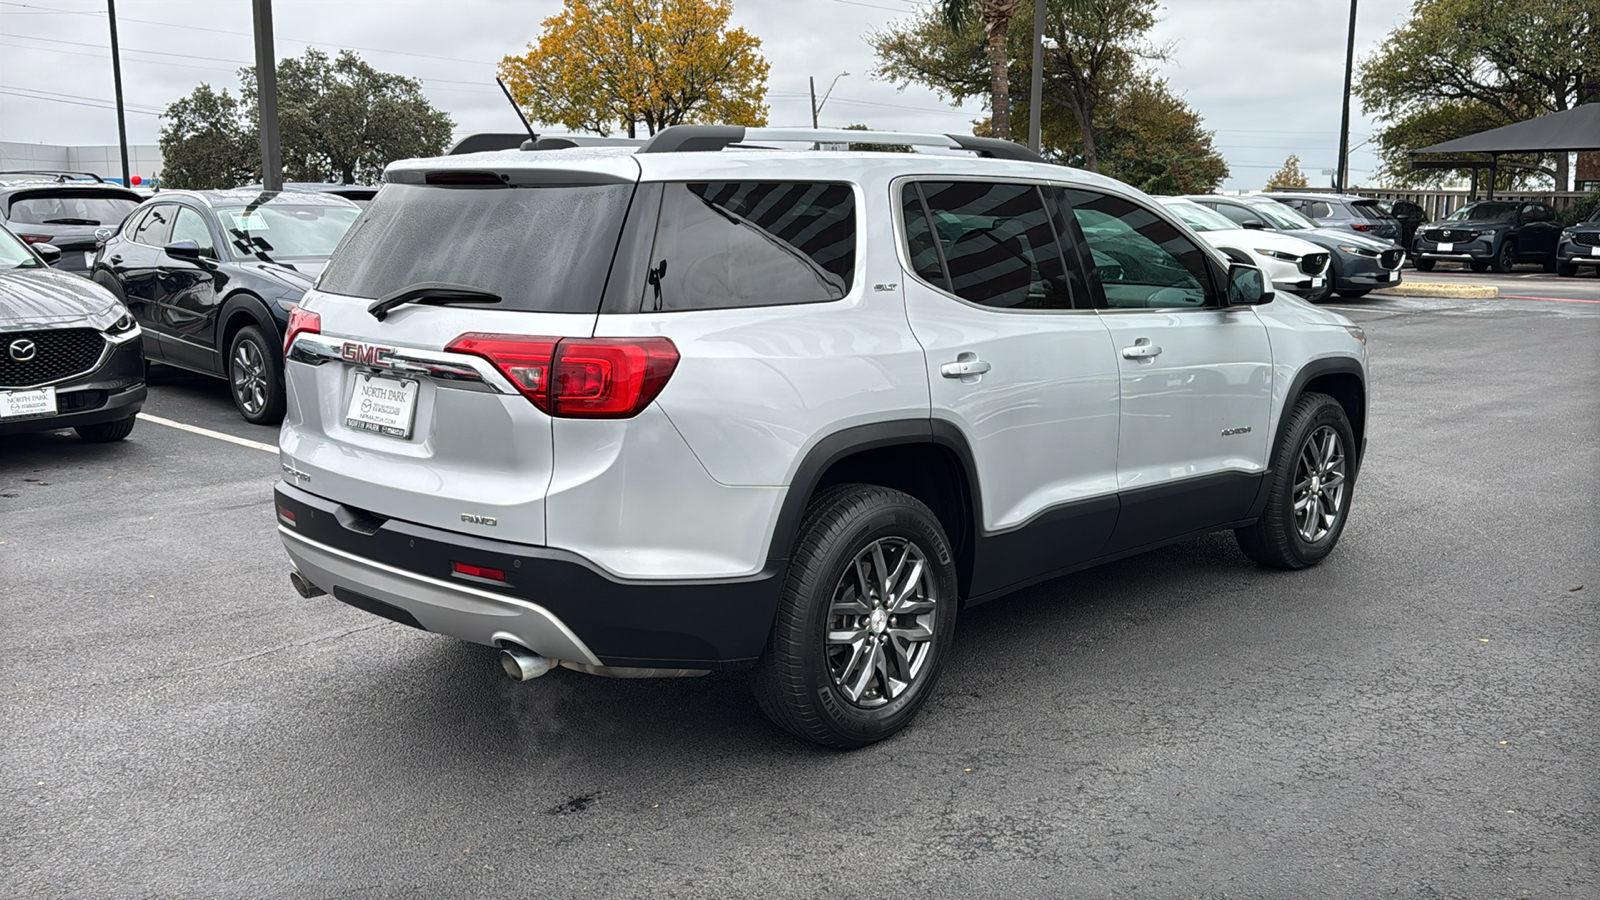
{"points": [[1099, 46], [995, 17], [341, 119], [205, 144], [604, 64], [1289, 176], [1456, 67], [1151, 139]]}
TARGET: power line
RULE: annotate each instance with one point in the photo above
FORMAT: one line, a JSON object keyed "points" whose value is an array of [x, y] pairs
{"points": [[141, 112]]}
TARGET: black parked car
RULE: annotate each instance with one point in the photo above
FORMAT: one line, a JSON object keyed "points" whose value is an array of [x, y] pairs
{"points": [[64, 209], [1579, 246], [1362, 214], [69, 352], [212, 276], [1491, 233], [1410, 215]]}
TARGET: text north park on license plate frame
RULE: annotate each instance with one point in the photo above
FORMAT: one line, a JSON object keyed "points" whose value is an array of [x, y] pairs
{"points": [[28, 404], [381, 405]]}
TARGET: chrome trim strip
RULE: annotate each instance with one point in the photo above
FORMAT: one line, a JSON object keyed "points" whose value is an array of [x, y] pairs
{"points": [[437, 584], [457, 370]]}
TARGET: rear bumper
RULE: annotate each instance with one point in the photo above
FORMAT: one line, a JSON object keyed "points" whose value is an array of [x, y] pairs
{"points": [[553, 602]]}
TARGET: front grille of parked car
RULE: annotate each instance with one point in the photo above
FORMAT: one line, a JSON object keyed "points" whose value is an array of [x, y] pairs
{"points": [[57, 353], [1587, 238], [1391, 258], [1313, 263], [1449, 235]]}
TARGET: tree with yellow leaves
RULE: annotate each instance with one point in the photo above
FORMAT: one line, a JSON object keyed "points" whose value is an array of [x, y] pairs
{"points": [[1289, 176], [616, 64]]}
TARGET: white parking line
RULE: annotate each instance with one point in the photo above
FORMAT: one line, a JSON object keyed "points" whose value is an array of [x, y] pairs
{"points": [[243, 442]]}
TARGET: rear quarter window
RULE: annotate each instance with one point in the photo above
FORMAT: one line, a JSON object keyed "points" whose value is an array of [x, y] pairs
{"points": [[731, 244], [542, 249]]}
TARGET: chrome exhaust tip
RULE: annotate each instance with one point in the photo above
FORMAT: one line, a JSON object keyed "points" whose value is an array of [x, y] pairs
{"points": [[303, 587], [522, 664]]}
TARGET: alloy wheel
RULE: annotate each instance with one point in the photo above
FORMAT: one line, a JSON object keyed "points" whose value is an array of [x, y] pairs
{"points": [[249, 376], [880, 625], [1319, 485]]}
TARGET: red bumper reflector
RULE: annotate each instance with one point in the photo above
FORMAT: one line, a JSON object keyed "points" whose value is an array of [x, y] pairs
{"points": [[286, 514], [462, 568]]}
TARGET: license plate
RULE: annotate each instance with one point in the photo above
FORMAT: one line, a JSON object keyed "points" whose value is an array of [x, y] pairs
{"points": [[1594, 251], [88, 260], [28, 404], [1392, 276], [382, 405], [1446, 248], [1317, 281]]}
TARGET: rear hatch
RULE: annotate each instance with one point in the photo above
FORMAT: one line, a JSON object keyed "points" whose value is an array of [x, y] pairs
{"points": [[1379, 220], [384, 416], [67, 217]]}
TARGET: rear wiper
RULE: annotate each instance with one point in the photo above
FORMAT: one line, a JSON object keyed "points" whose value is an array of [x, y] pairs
{"points": [[430, 292], [70, 222]]}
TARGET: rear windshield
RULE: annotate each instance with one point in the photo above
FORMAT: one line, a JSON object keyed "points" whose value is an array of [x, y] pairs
{"points": [[70, 208], [542, 249], [1371, 210]]}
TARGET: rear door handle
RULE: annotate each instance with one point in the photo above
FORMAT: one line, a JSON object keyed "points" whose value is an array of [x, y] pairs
{"points": [[1141, 349], [964, 368]]}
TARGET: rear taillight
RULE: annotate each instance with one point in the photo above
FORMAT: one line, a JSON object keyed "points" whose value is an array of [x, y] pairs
{"points": [[301, 320], [1363, 226], [579, 378], [35, 238]]}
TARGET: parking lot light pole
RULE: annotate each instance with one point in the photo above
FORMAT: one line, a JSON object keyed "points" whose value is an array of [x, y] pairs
{"points": [[267, 98], [116, 77], [1344, 122], [1036, 93]]}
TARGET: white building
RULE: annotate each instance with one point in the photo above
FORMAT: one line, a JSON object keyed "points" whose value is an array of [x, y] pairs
{"points": [[144, 160]]}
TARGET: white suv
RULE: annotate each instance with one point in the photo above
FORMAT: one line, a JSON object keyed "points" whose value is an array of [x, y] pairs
{"points": [[701, 405]]}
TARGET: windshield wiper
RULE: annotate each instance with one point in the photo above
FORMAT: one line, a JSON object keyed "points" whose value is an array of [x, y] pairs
{"points": [[70, 222], [430, 292]]}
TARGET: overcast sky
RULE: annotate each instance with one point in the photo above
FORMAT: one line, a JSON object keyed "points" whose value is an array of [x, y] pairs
{"points": [[1266, 75]]}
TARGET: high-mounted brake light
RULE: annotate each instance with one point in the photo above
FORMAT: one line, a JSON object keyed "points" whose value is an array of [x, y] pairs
{"points": [[579, 378], [301, 320]]}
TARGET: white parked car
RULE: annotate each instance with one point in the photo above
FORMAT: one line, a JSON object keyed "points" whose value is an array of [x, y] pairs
{"points": [[1299, 267]]}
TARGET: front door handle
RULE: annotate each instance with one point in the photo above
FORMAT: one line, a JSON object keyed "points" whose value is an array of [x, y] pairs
{"points": [[964, 367], [1141, 349], [116, 257]]}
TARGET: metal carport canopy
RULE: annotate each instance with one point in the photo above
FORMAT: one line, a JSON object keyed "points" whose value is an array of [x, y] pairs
{"points": [[1568, 130]]}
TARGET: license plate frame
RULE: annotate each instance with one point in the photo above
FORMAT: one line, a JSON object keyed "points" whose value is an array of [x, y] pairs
{"points": [[1594, 251], [1447, 248], [383, 405], [35, 403]]}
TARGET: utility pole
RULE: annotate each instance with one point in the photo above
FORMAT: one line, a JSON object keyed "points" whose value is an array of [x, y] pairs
{"points": [[1342, 179], [116, 76], [1036, 95], [813, 81], [816, 107], [267, 98]]}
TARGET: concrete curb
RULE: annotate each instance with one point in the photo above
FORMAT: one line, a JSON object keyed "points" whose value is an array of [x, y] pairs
{"points": [[1441, 289]]}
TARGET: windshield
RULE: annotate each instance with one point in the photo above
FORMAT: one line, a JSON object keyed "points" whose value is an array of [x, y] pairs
{"points": [[283, 230], [1485, 212], [13, 254], [542, 249], [1282, 216], [1198, 217], [1594, 216], [70, 209]]}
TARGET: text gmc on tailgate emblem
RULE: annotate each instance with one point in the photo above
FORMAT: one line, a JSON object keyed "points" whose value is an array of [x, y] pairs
{"points": [[367, 354]]}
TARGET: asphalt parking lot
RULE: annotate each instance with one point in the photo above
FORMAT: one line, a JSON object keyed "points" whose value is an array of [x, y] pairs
{"points": [[1413, 718]]}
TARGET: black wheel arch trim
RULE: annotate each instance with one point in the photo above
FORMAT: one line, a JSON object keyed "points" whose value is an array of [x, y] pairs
{"points": [[1337, 365]]}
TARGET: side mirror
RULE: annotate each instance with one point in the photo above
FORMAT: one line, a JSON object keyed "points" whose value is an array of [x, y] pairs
{"points": [[1247, 286], [1254, 225], [188, 250], [50, 253]]}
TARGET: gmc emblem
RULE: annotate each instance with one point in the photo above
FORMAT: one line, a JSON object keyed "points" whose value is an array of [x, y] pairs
{"points": [[366, 354]]}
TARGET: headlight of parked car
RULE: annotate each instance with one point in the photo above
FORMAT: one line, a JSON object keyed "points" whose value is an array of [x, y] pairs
{"points": [[1278, 254], [122, 325], [1360, 251]]}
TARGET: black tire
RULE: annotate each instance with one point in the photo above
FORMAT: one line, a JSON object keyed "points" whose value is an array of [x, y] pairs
{"points": [[1276, 540], [1355, 295], [1506, 258], [797, 681], [255, 375], [1567, 270], [1478, 265], [1423, 265], [105, 432]]}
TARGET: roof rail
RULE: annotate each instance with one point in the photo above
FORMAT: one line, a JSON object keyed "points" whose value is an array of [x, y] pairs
{"points": [[57, 175], [567, 141], [701, 138]]}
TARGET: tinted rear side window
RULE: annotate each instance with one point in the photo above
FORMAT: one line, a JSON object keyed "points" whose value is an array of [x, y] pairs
{"points": [[997, 242], [728, 244], [542, 249]]}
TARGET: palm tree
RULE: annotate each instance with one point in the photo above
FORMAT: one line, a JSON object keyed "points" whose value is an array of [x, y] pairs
{"points": [[996, 16]]}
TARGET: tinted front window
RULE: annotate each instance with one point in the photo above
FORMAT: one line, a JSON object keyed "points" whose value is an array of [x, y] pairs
{"points": [[1142, 260], [70, 209], [544, 249], [155, 226], [998, 245], [282, 230], [727, 244]]}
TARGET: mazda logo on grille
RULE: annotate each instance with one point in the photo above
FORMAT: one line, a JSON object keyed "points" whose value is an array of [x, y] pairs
{"points": [[23, 349]]}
